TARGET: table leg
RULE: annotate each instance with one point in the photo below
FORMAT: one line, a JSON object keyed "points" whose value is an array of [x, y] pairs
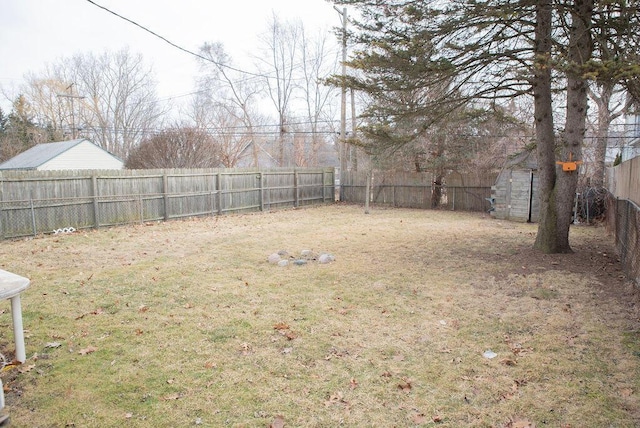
{"points": [[18, 331]]}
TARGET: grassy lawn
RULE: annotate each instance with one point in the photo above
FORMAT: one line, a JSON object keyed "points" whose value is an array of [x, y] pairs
{"points": [[186, 323]]}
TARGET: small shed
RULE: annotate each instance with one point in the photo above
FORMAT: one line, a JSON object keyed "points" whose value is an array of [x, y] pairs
{"points": [[515, 192], [63, 155]]}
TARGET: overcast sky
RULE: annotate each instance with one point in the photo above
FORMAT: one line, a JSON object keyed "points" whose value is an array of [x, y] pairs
{"points": [[34, 33]]}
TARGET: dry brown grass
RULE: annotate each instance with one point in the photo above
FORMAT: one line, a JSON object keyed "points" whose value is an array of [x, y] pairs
{"points": [[185, 323]]}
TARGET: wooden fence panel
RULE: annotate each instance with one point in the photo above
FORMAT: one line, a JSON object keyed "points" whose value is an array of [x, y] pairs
{"points": [[624, 180], [280, 189], [33, 202], [414, 190]]}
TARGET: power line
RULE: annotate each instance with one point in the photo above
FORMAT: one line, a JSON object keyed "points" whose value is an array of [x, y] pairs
{"points": [[177, 46]]}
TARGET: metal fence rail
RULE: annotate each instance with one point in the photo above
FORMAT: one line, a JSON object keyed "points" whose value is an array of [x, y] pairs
{"points": [[41, 203], [623, 220]]}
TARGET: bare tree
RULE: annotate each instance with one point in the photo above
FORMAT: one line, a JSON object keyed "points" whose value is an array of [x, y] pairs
{"points": [[610, 105], [278, 63], [317, 64], [227, 102], [228, 132], [176, 147], [52, 108], [109, 99]]}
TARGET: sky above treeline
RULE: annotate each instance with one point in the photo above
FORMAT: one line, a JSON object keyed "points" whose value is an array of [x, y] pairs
{"points": [[34, 33]]}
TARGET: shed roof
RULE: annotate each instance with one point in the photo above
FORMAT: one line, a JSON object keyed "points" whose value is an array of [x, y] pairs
{"points": [[526, 159], [40, 154]]}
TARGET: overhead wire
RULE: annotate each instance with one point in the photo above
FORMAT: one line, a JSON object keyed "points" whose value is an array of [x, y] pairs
{"points": [[197, 55]]}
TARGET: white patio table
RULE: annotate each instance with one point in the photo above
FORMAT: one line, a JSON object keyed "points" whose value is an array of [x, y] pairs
{"points": [[11, 285]]}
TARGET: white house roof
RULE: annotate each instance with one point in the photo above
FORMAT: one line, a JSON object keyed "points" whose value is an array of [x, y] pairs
{"points": [[40, 154]]}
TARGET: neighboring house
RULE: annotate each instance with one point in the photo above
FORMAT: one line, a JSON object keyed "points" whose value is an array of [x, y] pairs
{"points": [[631, 147], [63, 155]]}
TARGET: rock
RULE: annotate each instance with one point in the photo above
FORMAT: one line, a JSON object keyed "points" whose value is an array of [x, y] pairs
{"points": [[283, 253], [300, 262], [283, 263], [274, 258], [325, 258], [306, 254]]}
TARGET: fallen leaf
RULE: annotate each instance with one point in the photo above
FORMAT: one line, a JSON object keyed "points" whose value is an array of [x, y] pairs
{"points": [[139, 332], [281, 326], [171, 397], [336, 398], [436, 418], [143, 308], [128, 415], [53, 345], [26, 369], [386, 374], [278, 422], [353, 384], [87, 350], [290, 335], [210, 365], [245, 348], [520, 423], [626, 392], [508, 362], [405, 385], [419, 419]]}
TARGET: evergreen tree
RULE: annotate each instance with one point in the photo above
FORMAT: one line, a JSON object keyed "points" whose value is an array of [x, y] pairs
{"points": [[450, 53], [18, 130]]}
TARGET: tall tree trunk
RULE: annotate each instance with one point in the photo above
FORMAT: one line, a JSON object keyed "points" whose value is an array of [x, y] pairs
{"points": [[436, 190], [580, 49], [604, 122], [543, 114], [557, 187]]}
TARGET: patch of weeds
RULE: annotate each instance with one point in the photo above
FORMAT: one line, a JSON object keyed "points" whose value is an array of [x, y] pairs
{"points": [[541, 293], [631, 341], [232, 330]]}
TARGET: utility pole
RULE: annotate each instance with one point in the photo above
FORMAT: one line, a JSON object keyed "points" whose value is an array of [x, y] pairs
{"points": [[71, 97], [343, 102]]}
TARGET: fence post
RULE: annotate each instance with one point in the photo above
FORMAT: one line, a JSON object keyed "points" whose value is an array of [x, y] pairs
{"points": [[1, 214], [96, 204], [453, 204], [141, 208], [33, 217], [295, 188], [219, 187], [324, 181], [393, 195], [165, 194], [261, 181]]}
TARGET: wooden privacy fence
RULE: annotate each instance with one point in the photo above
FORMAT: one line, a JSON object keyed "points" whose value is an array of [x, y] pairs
{"points": [[415, 190], [33, 202], [623, 181]]}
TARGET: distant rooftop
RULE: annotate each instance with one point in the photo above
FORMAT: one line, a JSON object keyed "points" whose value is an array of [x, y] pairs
{"points": [[39, 154]]}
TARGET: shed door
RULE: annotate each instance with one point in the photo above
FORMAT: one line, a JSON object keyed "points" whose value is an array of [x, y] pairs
{"points": [[520, 198]]}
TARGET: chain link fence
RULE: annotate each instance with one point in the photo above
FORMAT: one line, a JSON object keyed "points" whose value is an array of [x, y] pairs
{"points": [[623, 220]]}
